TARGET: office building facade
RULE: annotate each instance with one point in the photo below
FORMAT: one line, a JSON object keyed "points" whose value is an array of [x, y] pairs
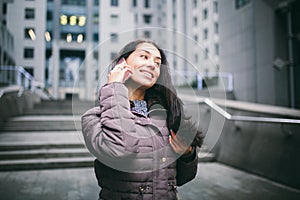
{"points": [[261, 39], [68, 44], [6, 38]]}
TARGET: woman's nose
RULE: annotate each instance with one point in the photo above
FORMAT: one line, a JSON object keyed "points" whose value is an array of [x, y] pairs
{"points": [[151, 64]]}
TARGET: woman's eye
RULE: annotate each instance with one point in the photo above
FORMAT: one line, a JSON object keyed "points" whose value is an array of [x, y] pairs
{"points": [[144, 56]]}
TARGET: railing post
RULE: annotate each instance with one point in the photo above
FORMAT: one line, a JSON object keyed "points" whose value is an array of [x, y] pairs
{"points": [[199, 82], [19, 77], [26, 83], [230, 82]]}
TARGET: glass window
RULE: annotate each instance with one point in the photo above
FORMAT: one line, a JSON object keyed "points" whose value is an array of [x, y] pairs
{"points": [[29, 33], [216, 7], [96, 2], [134, 3], [147, 19], [205, 14], [205, 34], [95, 37], [195, 3], [217, 49], [30, 70], [196, 38], [196, 58], [49, 15], [241, 3], [114, 3], [147, 3], [114, 37], [96, 18], [4, 8], [216, 27], [206, 53], [195, 21], [114, 19], [28, 53], [29, 13], [113, 55], [74, 2], [147, 34]]}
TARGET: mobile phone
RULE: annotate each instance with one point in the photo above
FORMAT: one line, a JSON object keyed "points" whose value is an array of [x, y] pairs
{"points": [[127, 73]]}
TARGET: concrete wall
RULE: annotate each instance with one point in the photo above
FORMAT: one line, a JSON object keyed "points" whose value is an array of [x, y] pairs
{"points": [[251, 38], [267, 149], [13, 105], [262, 148]]}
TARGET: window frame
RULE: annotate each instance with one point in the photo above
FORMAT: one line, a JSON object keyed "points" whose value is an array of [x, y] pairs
{"points": [[28, 53], [29, 13]]}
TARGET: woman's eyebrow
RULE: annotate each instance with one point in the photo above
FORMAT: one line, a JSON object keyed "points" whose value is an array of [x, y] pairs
{"points": [[157, 57]]}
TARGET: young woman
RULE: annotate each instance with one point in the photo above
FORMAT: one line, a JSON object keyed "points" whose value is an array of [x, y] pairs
{"points": [[144, 144]]}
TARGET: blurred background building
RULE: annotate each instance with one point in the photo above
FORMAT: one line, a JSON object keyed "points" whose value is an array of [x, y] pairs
{"points": [[247, 50], [259, 42], [67, 45], [6, 38]]}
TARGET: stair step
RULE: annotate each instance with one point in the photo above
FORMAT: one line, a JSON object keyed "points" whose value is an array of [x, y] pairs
{"points": [[55, 112], [45, 139], [44, 153], [31, 146], [52, 163], [61, 107], [59, 126], [206, 157], [43, 123]]}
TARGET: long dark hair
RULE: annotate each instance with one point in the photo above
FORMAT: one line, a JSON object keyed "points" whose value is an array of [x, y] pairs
{"points": [[163, 91]]}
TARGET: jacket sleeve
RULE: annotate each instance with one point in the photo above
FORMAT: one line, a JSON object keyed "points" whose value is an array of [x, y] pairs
{"points": [[109, 129], [187, 168]]}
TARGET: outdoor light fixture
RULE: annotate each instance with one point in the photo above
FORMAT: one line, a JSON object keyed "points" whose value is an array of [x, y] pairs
{"points": [[73, 20], [80, 38], [31, 34], [279, 64], [82, 20], [69, 37], [47, 36], [63, 19]]}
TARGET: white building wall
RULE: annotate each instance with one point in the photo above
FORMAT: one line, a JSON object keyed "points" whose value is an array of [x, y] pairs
{"points": [[247, 40], [171, 26], [238, 43], [17, 23], [123, 26]]}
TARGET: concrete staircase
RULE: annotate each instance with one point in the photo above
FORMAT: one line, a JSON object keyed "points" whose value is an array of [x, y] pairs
{"points": [[47, 136]]}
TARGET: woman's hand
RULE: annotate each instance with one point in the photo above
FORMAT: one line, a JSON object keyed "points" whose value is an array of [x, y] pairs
{"points": [[120, 73], [179, 146]]}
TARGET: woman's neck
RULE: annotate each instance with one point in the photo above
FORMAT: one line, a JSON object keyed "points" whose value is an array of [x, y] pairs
{"points": [[136, 93]]}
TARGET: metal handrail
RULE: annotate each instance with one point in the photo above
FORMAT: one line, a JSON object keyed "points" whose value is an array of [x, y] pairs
{"points": [[29, 81], [231, 117], [228, 116]]}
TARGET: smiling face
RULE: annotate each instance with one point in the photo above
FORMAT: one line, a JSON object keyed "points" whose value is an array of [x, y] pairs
{"points": [[145, 61]]}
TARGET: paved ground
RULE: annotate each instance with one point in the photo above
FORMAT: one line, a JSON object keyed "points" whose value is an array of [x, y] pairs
{"points": [[214, 181]]}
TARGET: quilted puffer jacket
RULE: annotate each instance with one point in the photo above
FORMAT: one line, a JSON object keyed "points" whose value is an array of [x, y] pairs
{"points": [[134, 158]]}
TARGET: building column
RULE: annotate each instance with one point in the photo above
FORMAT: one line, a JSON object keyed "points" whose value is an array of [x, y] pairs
{"points": [[55, 67]]}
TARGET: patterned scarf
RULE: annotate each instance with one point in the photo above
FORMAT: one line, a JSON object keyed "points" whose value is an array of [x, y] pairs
{"points": [[139, 106]]}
